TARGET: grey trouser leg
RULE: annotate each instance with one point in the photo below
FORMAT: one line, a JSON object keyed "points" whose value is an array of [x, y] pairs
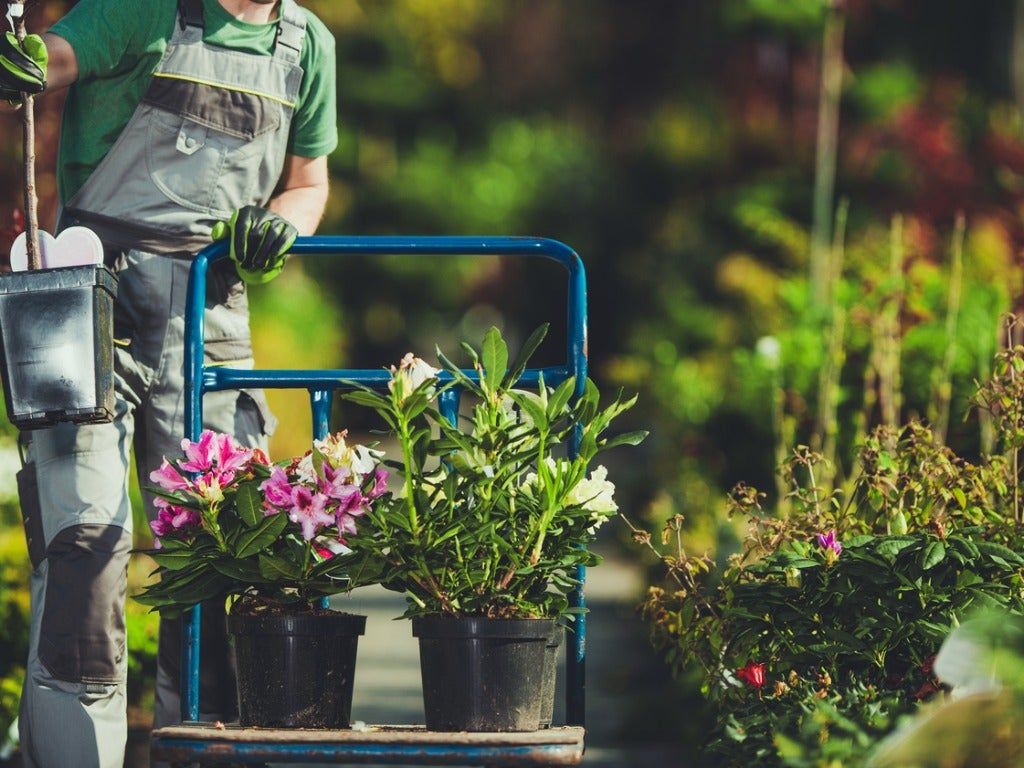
{"points": [[73, 710]]}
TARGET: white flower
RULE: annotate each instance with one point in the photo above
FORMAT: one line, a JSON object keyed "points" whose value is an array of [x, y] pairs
{"points": [[413, 371], [596, 493], [304, 470], [363, 460], [769, 350], [357, 459]]}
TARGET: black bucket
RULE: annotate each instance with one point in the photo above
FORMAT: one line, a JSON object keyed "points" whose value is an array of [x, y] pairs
{"points": [[547, 689], [57, 330], [482, 674], [296, 671]]}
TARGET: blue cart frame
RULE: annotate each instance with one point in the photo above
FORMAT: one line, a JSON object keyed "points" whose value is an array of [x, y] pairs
{"points": [[322, 384]]}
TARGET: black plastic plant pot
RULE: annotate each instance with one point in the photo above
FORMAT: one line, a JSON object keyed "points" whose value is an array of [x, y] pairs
{"points": [[482, 675], [547, 704], [57, 339], [296, 671]]}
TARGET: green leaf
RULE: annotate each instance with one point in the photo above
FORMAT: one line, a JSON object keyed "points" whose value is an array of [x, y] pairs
{"points": [[890, 546], [369, 399], [494, 356], [174, 560], [532, 405], [244, 571], [249, 503], [933, 554], [277, 568], [259, 538], [525, 353], [628, 438], [560, 398], [991, 548], [318, 461]]}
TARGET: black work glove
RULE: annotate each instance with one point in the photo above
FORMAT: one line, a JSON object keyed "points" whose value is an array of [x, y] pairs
{"points": [[22, 66], [260, 241]]}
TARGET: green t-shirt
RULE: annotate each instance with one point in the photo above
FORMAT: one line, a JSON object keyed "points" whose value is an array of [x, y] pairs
{"points": [[119, 44]]}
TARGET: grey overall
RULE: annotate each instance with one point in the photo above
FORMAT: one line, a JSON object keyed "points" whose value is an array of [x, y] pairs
{"points": [[210, 136]]}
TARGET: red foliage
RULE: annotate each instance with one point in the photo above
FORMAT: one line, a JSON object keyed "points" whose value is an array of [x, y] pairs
{"points": [[7, 235]]}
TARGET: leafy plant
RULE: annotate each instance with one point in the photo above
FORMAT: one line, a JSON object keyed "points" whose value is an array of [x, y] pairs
{"points": [[491, 520], [230, 523], [851, 589], [806, 723]]}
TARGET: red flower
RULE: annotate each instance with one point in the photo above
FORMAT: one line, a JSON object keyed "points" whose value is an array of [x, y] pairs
{"points": [[752, 674], [928, 666]]}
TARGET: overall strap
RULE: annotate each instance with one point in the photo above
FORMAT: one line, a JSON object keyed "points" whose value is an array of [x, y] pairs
{"points": [[291, 32], [191, 25]]}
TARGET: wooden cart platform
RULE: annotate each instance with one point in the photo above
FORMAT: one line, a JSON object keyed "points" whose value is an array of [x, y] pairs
{"points": [[382, 745]]}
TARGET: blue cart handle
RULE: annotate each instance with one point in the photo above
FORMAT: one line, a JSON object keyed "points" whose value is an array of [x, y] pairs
{"points": [[196, 373]]}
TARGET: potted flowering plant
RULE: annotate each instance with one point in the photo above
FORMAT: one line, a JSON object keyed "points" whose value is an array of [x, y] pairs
{"points": [[487, 529], [231, 525]]}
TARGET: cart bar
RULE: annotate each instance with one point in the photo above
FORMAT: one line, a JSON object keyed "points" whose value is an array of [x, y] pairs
{"points": [[321, 380], [200, 379]]}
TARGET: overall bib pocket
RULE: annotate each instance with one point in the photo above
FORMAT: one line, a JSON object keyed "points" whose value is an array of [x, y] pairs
{"points": [[201, 168]]}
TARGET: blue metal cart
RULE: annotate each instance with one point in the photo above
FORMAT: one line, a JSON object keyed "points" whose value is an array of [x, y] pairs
{"points": [[196, 742]]}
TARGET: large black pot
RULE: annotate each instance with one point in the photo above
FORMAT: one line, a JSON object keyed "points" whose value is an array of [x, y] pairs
{"points": [[57, 338], [482, 674], [296, 671]]}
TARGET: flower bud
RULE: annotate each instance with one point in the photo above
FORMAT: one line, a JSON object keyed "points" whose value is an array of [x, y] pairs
{"points": [[898, 524]]}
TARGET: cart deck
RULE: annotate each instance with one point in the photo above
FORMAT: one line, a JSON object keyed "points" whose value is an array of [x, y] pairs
{"points": [[380, 745]]}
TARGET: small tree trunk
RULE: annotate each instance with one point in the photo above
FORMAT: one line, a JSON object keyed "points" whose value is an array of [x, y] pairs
{"points": [[28, 131]]}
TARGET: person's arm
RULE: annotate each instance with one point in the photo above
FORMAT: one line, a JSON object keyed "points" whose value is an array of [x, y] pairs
{"points": [[63, 65], [303, 192]]}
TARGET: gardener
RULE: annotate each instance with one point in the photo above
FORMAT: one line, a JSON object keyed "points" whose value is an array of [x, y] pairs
{"points": [[181, 116]]}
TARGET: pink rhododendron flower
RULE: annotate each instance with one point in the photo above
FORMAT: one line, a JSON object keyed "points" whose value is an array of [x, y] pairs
{"points": [[337, 475], [752, 674], [172, 518], [380, 483], [829, 541], [169, 478], [276, 490], [308, 510], [346, 524], [337, 484], [200, 455], [231, 457]]}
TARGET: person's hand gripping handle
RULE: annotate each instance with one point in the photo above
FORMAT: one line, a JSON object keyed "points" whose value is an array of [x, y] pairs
{"points": [[23, 61], [260, 241]]}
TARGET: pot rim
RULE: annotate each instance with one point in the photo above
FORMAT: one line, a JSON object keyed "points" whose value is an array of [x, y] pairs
{"points": [[335, 623], [474, 627]]}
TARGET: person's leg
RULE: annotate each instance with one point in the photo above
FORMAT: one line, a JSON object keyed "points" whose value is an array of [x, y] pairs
{"points": [[242, 414], [73, 706]]}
